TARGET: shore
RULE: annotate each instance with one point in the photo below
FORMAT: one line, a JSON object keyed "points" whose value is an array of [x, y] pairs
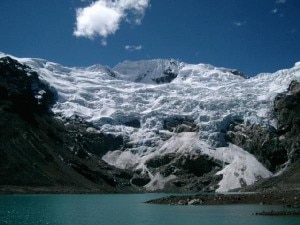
{"points": [[291, 200], [15, 190], [11, 190]]}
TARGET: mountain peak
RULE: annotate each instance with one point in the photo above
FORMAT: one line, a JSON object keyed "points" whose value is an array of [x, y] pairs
{"points": [[155, 71]]}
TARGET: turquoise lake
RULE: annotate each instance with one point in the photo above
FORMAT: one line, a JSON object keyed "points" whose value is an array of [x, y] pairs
{"points": [[127, 209]]}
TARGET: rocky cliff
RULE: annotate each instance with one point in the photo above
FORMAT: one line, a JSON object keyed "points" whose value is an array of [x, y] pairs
{"points": [[39, 153], [273, 145]]}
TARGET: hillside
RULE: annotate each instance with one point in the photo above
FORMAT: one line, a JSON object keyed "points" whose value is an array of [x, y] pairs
{"points": [[39, 153]]}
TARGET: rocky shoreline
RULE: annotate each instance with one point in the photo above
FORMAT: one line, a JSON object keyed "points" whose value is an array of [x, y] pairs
{"points": [[290, 200], [274, 198], [278, 213]]}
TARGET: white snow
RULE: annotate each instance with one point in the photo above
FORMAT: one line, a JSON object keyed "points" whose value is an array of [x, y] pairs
{"points": [[242, 168], [147, 70], [158, 182], [2, 54], [212, 97]]}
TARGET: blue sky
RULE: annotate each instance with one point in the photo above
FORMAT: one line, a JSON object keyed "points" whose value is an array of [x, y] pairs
{"points": [[253, 36]]}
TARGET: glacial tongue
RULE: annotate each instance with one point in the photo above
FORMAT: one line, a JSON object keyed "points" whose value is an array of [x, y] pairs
{"points": [[173, 114]]}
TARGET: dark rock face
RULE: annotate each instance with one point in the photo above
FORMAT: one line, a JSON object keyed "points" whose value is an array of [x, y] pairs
{"points": [[262, 142], [273, 147], [160, 161], [21, 86], [193, 172], [179, 124], [37, 150], [287, 110], [168, 164], [197, 165], [85, 136], [239, 73], [169, 75], [133, 123], [140, 180]]}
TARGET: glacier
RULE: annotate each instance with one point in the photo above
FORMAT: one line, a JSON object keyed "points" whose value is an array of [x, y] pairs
{"points": [[152, 91]]}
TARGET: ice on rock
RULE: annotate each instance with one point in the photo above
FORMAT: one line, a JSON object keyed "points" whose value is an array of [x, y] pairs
{"points": [[242, 169], [149, 72], [158, 182], [132, 91]]}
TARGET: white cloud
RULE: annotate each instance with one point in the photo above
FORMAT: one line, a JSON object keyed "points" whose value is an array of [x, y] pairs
{"points": [[103, 42], [281, 1], [103, 17], [238, 23], [132, 48], [97, 19], [274, 11]]}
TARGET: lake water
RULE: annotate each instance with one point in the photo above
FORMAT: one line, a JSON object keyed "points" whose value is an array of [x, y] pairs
{"points": [[126, 210]]}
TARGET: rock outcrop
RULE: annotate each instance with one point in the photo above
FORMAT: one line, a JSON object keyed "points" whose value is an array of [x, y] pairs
{"points": [[191, 173], [287, 112], [273, 146], [40, 152]]}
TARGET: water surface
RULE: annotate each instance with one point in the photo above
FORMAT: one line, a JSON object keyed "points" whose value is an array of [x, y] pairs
{"points": [[126, 210]]}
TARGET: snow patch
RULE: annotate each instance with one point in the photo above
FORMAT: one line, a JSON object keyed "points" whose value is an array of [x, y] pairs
{"points": [[2, 55], [243, 168], [158, 182], [123, 160]]}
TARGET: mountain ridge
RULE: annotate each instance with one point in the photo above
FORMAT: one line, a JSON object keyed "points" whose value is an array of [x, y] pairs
{"points": [[167, 127]]}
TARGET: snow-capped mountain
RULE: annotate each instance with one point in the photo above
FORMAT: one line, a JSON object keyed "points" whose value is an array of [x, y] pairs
{"points": [[150, 71], [163, 107]]}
